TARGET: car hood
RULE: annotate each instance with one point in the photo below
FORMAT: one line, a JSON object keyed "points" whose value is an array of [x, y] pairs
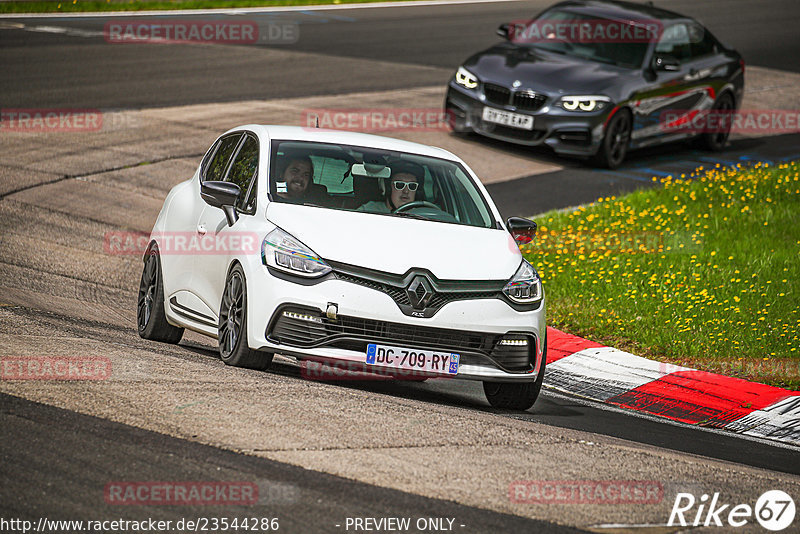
{"points": [[396, 244], [543, 71]]}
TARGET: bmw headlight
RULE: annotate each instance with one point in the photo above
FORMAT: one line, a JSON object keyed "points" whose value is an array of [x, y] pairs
{"points": [[584, 103], [466, 79], [285, 253], [525, 287]]}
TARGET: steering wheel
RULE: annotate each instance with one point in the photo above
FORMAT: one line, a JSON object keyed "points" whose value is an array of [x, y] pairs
{"points": [[416, 204]]}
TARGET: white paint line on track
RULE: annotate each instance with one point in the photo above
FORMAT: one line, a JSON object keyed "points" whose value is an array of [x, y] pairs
{"points": [[74, 32], [248, 10], [643, 415]]}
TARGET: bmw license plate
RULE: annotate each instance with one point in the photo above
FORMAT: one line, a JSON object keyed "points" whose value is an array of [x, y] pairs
{"points": [[412, 359], [506, 118]]}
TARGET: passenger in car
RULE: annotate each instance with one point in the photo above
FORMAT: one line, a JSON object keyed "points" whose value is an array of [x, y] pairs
{"points": [[296, 183], [399, 189], [295, 177]]}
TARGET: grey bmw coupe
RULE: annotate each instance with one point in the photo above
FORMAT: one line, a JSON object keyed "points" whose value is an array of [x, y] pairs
{"points": [[597, 78]]}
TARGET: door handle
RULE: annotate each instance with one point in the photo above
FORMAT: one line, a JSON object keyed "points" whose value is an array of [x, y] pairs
{"points": [[201, 229]]}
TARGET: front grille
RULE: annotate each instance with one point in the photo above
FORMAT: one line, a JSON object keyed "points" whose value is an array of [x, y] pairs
{"points": [[440, 299], [354, 333], [496, 94], [398, 294], [303, 333], [444, 291], [529, 100]]}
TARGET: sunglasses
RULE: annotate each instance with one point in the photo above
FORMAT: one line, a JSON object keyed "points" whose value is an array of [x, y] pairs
{"points": [[399, 185]]}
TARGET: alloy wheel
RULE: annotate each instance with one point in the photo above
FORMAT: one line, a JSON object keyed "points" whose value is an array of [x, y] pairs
{"points": [[231, 315]]}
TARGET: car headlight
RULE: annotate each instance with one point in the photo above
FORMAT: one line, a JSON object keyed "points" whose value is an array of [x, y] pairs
{"points": [[466, 78], [285, 253], [584, 103], [525, 287]]}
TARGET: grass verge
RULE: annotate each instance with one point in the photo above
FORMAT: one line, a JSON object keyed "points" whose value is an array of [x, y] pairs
{"points": [[83, 6], [702, 272]]}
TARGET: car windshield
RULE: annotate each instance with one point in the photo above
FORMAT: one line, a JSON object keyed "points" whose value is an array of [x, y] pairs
{"points": [[369, 180], [614, 42]]}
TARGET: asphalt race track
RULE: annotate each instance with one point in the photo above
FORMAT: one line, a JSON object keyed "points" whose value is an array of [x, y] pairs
{"points": [[320, 452], [53, 69]]}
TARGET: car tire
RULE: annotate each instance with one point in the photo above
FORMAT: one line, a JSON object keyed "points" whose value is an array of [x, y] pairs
{"points": [[716, 141], [614, 146], [150, 315], [515, 395], [232, 336]]}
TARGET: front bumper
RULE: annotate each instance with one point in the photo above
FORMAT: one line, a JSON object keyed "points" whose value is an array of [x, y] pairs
{"points": [[566, 133], [471, 328]]}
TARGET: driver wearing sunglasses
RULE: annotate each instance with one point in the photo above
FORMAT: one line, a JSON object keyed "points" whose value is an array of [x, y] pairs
{"points": [[399, 190]]}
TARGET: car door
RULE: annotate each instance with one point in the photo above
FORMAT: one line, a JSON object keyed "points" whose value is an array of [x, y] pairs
{"points": [[670, 94], [180, 251], [229, 241], [708, 69]]}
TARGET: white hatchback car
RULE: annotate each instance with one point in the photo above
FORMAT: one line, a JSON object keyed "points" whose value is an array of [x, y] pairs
{"points": [[339, 247]]}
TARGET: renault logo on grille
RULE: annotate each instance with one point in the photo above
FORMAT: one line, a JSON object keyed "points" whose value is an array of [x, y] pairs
{"points": [[419, 292]]}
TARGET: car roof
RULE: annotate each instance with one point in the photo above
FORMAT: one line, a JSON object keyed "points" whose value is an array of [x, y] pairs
{"points": [[342, 137], [618, 9]]}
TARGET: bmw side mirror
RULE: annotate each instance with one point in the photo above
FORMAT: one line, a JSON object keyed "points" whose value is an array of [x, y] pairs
{"points": [[502, 31], [222, 195], [666, 63], [522, 230]]}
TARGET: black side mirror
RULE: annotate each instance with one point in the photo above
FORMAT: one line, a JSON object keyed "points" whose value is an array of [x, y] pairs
{"points": [[502, 31], [222, 195], [666, 63], [522, 230]]}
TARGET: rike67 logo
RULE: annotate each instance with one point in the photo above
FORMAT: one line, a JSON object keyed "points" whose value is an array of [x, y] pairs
{"points": [[774, 511]]}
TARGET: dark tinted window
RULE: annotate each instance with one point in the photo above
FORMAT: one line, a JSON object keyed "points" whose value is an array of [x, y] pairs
{"points": [[243, 173], [675, 42], [583, 36], [216, 169], [703, 43]]}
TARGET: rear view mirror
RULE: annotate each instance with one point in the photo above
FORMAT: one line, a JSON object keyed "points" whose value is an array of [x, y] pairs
{"points": [[522, 230], [222, 195], [370, 170], [502, 31]]}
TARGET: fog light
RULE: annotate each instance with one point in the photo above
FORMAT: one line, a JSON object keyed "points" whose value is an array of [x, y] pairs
{"points": [[514, 342], [302, 317]]}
